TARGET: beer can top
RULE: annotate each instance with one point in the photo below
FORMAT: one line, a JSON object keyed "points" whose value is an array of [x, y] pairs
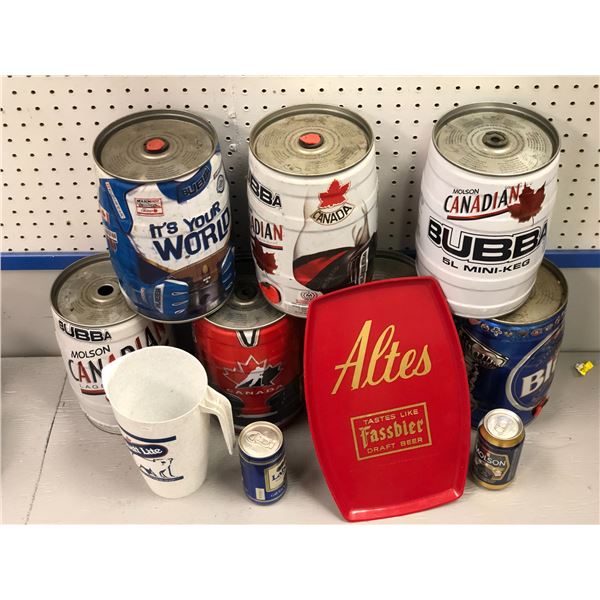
{"points": [[547, 298], [154, 146], [87, 293], [247, 307], [492, 138], [503, 426], [389, 265], [260, 439], [311, 139]]}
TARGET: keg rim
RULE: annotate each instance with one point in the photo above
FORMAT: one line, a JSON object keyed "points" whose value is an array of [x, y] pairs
{"points": [[554, 270], [66, 273], [317, 108], [513, 109], [150, 115]]}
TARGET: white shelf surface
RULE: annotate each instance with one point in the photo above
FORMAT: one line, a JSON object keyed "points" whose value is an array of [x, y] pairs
{"points": [[58, 468]]}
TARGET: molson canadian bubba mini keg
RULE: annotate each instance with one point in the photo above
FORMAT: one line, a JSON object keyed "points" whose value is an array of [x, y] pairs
{"points": [[312, 196], [94, 326], [253, 354], [487, 193], [511, 360], [164, 201]]}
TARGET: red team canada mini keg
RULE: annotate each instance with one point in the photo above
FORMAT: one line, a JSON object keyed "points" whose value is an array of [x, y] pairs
{"points": [[253, 354]]}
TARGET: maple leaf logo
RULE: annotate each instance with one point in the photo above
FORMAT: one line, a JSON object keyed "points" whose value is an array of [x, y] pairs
{"points": [[265, 260], [529, 205], [253, 373], [334, 194]]}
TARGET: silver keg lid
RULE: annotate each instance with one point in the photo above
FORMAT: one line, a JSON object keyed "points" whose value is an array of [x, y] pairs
{"points": [[260, 439], [496, 139], [246, 308], [548, 297], [87, 293], [311, 139], [155, 145], [389, 265], [503, 425]]}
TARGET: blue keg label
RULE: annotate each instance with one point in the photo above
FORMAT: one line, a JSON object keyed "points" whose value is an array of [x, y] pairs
{"points": [[509, 366], [529, 380], [169, 242], [182, 191]]}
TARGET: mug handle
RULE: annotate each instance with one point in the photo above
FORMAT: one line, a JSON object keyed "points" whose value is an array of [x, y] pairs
{"points": [[217, 404]]}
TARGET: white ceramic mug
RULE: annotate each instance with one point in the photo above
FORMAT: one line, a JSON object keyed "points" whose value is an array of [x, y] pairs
{"points": [[161, 400]]}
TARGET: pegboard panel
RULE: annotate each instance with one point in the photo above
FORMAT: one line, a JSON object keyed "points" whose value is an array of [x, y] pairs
{"points": [[50, 123]]}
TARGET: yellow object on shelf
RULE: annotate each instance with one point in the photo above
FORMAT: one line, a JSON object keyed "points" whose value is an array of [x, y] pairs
{"points": [[584, 367]]}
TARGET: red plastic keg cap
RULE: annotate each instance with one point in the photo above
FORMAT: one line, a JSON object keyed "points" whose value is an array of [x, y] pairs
{"points": [[311, 140], [155, 145]]}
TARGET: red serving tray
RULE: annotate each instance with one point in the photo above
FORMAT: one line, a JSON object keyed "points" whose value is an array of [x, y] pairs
{"points": [[387, 397]]}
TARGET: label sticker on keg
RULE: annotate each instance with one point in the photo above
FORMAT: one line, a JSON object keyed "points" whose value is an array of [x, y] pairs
{"points": [[149, 206], [111, 239], [521, 201]]}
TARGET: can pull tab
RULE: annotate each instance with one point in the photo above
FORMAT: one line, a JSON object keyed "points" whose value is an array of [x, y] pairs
{"points": [[156, 145], [311, 140]]}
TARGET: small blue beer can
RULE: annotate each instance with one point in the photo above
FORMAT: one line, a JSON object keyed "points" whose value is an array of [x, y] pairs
{"points": [[511, 360], [262, 457]]}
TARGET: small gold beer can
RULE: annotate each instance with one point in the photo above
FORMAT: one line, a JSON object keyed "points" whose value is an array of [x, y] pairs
{"points": [[498, 448]]}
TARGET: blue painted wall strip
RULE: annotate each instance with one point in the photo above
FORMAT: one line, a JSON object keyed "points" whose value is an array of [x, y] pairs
{"points": [[575, 259], [28, 261]]}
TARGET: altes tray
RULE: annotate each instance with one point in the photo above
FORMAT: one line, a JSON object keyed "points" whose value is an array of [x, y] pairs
{"points": [[387, 397]]}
